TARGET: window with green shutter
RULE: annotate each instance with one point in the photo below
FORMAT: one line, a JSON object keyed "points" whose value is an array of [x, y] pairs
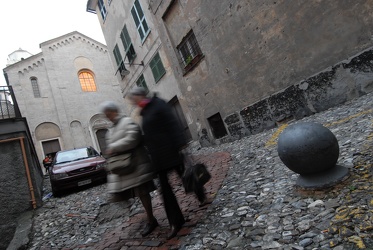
{"points": [[141, 83], [127, 44], [117, 55], [157, 67], [119, 60], [140, 21]]}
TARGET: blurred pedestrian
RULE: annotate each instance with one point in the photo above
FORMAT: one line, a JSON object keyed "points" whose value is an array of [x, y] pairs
{"points": [[47, 162], [164, 139], [123, 136]]}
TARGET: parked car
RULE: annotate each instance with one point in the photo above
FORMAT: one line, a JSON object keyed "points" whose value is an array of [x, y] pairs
{"points": [[75, 168]]}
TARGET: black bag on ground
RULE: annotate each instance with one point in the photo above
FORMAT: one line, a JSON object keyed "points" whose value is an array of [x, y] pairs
{"points": [[195, 177]]}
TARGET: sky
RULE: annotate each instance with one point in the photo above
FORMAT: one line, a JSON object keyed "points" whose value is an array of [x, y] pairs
{"points": [[26, 24]]}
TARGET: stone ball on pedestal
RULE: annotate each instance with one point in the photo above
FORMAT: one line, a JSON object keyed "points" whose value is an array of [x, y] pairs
{"points": [[308, 148]]}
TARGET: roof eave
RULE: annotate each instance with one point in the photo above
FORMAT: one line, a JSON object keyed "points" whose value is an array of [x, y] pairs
{"points": [[91, 6]]}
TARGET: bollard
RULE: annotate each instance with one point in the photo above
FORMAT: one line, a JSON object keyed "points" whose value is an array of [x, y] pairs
{"points": [[312, 151]]}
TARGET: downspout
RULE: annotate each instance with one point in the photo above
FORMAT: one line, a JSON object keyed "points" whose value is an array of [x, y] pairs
{"points": [[31, 187]]}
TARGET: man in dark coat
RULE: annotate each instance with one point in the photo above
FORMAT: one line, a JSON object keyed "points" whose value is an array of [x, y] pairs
{"points": [[164, 138]]}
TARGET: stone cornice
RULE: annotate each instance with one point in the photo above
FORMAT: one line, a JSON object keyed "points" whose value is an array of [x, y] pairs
{"points": [[28, 64], [32, 65], [37, 60], [71, 37]]}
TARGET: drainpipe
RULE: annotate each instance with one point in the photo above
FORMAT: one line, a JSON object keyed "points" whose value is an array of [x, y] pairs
{"points": [[31, 188]]}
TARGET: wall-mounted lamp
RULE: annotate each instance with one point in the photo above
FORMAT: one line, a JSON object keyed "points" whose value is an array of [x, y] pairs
{"points": [[141, 63], [124, 71]]}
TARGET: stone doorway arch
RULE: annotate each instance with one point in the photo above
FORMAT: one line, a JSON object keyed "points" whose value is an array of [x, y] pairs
{"points": [[98, 125], [48, 134]]}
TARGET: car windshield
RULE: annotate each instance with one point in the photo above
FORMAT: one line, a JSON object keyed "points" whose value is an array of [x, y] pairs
{"points": [[74, 155]]}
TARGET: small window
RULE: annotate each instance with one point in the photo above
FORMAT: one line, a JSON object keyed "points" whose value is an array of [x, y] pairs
{"points": [[140, 21], [157, 67], [87, 81], [217, 126], [141, 83], [189, 51], [127, 44], [35, 87], [102, 8]]}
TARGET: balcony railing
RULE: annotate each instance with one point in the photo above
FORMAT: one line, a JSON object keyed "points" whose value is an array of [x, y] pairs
{"points": [[8, 104]]}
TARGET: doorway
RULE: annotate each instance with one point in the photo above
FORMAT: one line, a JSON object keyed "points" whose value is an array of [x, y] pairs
{"points": [[217, 126], [176, 107], [51, 147]]}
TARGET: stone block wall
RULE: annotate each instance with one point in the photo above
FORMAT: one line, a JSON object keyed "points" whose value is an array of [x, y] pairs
{"points": [[333, 86], [15, 192]]}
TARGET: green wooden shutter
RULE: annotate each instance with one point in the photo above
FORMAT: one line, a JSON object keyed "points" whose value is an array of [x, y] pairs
{"points": [[157, 67], [117, 55]]}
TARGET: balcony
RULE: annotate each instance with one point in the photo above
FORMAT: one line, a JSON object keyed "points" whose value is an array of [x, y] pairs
{"points": [[8, 105]]}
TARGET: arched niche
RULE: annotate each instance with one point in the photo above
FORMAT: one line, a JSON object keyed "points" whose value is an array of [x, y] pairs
{"points": [[78, 133], [46, 131]]}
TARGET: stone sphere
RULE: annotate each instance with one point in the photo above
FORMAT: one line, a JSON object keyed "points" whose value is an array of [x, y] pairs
{"points": [[308, 148]]}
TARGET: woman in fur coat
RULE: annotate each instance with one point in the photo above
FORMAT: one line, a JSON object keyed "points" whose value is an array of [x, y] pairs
{"points": [[125, 135]]}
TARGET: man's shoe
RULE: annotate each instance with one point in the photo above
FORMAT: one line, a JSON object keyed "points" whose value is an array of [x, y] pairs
{"points": [[149, 228], [174, 231], [205, 202]]}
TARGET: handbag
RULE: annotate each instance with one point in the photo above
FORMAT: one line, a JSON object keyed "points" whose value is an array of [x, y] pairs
{"points": [[195, 176], [120, 164], [201, 174]]}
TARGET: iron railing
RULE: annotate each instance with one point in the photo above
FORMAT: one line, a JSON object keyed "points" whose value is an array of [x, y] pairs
{"points": [[8, 104]]}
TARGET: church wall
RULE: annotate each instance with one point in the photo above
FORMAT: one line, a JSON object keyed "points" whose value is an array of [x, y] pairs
{"points": [[62, 101]]}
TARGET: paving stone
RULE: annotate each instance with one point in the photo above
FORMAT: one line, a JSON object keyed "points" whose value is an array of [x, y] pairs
{"points": [[257, 204], [305, 242], [151, 243]]}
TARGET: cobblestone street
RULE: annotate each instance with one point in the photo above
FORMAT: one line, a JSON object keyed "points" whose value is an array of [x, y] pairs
{"points": [[256, 202]]}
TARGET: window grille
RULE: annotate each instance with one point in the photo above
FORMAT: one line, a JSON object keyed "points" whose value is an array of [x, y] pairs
{"points": [[189, 50]]}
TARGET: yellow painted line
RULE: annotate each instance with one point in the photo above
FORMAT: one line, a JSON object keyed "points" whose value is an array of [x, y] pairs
{"points": [[273, 140], [275, 135], [349, 118]]}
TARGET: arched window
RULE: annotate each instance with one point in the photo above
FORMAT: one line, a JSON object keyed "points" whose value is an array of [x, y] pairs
{"points": [[35, 86], [87, 81]]}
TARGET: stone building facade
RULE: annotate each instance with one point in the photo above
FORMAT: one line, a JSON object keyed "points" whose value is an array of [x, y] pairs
{"points": [[263, 62], [244, 66], [138, 54], [59, 92]]}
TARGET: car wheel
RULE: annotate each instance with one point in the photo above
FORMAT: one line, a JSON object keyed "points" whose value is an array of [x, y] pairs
{"points": [[55, 192]]}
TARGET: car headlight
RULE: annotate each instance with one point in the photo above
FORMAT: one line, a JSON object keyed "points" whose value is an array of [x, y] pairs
{"points": [[101, 165], [59, 176]]}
